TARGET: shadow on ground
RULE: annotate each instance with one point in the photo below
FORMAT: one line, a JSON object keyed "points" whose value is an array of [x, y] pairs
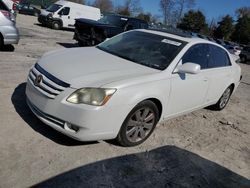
{"points": [[167, 166], [68, 45], [18, 99], [63, 29], [7, 48]]}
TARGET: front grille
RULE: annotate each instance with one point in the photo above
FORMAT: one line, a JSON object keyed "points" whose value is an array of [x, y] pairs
{"points": [[50, 86], [47, 117]]}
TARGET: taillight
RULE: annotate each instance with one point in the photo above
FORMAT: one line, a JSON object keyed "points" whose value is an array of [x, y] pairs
{"points": [[14, 6], [6, 14]]}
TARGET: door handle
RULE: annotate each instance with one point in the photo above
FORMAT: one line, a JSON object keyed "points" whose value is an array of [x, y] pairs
{"points": [[68, 17]]}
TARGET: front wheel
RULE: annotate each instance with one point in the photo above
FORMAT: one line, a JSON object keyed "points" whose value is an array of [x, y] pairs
{"points": [[56, 25], [139, 124]]}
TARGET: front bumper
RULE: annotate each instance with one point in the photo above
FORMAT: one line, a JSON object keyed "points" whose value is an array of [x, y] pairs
{"points": [[94, 123]]}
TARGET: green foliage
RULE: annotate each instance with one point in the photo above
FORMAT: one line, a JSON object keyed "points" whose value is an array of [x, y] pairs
{"points": [[193, 21], [225, 28], [241, 33]]}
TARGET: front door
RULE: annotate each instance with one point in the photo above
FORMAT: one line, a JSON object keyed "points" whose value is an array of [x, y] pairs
{"points": [[65, 17], [188, 91]]}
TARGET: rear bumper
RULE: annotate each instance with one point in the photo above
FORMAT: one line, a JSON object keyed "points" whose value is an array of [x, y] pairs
{"points": [[10, 35]]}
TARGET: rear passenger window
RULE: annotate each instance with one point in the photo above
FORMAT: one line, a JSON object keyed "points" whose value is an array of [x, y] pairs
{"points": [[218, 57], [197, 54]]}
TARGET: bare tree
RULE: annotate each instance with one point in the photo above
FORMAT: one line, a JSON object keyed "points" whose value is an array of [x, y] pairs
{"points": [[243, 11], [182, 6], [173, 10], [130, 7], [103, 5], [166, 7], [78, 1]]}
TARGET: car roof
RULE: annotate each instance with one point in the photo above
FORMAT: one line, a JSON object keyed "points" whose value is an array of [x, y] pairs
{"points": [[179, 36], [123, 16]]}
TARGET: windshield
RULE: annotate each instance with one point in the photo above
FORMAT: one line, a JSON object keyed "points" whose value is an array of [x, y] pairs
{"points": [[147, 49], [113, 20], [53, 8]]}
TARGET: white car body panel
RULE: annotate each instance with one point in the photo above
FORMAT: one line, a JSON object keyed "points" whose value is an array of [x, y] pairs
{"points": [[90, 67]]}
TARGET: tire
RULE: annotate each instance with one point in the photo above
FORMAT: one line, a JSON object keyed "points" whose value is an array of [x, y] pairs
{"points": [[56, 25], [243, 59], [1, 42], [139, 124], [223, 101]]}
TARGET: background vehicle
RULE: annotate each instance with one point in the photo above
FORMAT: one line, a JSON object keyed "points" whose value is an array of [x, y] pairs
{"points": [[236, 50], [28, 10], [245, 54], [11, 4], [94, 32], [124, 86], [8, 31], [62, 14]]}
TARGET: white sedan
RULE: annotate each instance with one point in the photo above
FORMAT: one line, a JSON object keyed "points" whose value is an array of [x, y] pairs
{"points": [[123, 87]]}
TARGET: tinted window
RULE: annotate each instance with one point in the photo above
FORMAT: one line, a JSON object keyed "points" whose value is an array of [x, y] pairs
{"points": [[197, 54], [65, 11], [218, 57], [114, 20], [53, 8], [143, 48]]}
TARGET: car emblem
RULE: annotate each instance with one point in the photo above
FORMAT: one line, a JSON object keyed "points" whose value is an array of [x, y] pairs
{"points": [[38, 80]]}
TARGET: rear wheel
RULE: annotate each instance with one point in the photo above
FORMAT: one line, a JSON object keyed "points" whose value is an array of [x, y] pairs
{"points": [[222, 103], [139, 124], [1, 42], [56, 25]]}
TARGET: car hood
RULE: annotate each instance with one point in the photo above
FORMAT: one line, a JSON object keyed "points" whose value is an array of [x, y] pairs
{"points": [[90, 67]]}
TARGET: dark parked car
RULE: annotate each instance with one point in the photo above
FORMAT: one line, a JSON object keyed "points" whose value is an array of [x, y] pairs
{"points": [[89, 32], [28, 9], [245, 54]]}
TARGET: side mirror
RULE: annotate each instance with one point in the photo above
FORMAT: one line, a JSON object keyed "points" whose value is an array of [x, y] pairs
{"points": [[189, 68]]}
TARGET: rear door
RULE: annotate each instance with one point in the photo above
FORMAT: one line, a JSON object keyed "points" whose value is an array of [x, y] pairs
{"points": [[188, 91]]}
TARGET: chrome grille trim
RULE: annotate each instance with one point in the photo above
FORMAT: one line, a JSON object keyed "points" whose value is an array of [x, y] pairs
{"points": [[49, 86]]}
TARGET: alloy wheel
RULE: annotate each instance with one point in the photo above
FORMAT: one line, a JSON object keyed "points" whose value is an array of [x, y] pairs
{"points": [[140, 124]]}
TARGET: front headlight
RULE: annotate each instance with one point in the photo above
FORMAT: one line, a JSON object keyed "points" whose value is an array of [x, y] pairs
{"points": [[91, 96]]}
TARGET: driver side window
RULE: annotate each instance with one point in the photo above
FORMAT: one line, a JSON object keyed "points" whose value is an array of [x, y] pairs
{"points": [[65, 11], [198, 54]]}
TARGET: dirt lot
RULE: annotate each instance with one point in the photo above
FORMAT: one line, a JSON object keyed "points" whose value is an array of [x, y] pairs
{"points": [[202, 149]]}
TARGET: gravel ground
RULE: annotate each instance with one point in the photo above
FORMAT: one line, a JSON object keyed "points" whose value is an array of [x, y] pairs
{"points": [[201, 149]]}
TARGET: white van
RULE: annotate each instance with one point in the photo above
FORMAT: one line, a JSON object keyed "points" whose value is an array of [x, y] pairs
{"points": [[62, 14]]}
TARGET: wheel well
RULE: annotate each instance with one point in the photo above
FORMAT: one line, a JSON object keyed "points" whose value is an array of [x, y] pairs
{"points": [[1, 40], [1, 36], [157, 103], [232, 86]]}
